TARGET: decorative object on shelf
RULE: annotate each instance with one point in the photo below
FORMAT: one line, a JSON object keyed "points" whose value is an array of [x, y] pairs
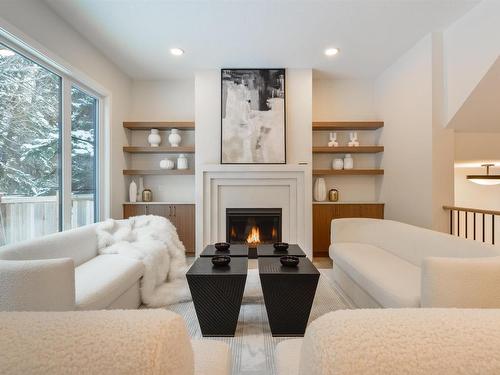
{"points": [[132, 192], [289, 261], [140, 188], [182, 162], [353, 136], [174, 138], [338, 164], [221, 260], [485, 179], [222, 246], [348, 162], [280, 246], [253, 116], [167, 164], [333, 140], [147, 195], [320, 190], [154, 138], [333, 195]]}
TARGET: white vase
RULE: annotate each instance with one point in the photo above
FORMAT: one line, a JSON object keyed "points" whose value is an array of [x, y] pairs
{"points": [[320, 190], [182, 162], [154, 138], [132, 192], [167, 164], [337, 164], [348, 162], [174, 138], [140, 188]]}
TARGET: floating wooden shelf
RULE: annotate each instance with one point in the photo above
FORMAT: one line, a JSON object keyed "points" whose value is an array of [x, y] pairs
{"points": [[347, 125], [159, 150], [161, 125], [347, 172], [348, 150], [159, 172]]}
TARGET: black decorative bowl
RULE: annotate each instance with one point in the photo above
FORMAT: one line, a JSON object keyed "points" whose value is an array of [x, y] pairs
{"points": [[289, 261], [222, 246], [280, 246], [221, 260]]}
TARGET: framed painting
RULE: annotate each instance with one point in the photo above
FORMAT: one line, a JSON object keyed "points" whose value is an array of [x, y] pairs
{"points": [[253, 116]]}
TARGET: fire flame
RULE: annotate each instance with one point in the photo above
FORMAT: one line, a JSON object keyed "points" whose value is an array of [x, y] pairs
{"points": [[254, 235]]}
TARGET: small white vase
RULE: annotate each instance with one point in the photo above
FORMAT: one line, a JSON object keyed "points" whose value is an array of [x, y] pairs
{"points": [[140, 188], [337, 164], [132, 192], [167, 164], [182, 162], [320, 190], [348, 162], [174, 138], [154, 138]]}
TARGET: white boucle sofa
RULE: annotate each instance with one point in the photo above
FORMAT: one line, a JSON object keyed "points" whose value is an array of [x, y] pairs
{"points": [[394, 342], [125, 342], [378, 263], [63, 271]]}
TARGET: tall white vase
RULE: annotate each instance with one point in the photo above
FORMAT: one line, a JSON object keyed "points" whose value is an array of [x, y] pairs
{"points": [[320, 190], [132, 192], [140, 188]]}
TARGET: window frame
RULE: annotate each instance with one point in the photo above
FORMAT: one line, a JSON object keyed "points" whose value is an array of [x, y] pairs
{"points": [[101, 204]]}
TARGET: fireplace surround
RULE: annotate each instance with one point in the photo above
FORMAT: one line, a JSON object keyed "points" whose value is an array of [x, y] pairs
{"points": [[253, 225]]}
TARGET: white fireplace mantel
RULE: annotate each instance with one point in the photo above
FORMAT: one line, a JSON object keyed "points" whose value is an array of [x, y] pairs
{"points": [[284, 186]]}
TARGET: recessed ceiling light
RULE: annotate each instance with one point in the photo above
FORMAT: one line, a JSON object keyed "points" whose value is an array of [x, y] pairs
{"points": [[331, 51], [176, 51], [6, 53]]}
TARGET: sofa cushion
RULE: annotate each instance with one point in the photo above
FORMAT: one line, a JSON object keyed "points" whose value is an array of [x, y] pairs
{"points": [[390, 280], [211, 357], [288, 357], [103, 279]]}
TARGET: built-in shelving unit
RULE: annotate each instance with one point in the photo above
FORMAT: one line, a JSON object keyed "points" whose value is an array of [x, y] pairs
{"points": [[157, 172], [160, 125], [347, 172], [348, 150], [347, 125], [159, 150]]}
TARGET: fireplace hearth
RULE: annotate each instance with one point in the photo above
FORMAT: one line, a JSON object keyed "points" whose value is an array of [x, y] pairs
{"points": [[253, 225]]}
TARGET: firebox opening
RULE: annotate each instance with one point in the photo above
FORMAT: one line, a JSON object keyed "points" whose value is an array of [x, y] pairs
{"points": [[253, 225]]}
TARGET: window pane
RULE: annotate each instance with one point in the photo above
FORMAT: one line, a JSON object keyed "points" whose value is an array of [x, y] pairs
{"points": [[83, 157], [30, 144]]}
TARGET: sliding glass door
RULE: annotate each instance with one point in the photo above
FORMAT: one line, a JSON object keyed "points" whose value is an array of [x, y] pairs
{"points": [[49, 128]]}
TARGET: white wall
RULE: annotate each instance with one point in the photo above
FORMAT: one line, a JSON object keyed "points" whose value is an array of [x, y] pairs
{"points": [[404, 99], [347, 100], [471, 44], [167, 100], [38, 22]]}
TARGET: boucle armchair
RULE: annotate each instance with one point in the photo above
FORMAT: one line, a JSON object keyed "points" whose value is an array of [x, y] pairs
{"points": [[106, 342], [396, 341]]}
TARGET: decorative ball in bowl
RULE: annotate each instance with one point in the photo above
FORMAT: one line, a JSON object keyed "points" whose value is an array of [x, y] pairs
{"points": [[289, 261], [280, 246], [222, 246], [221, 260]]}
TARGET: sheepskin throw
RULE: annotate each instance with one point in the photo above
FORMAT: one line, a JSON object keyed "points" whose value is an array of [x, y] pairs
{"points": [[154, 241]]}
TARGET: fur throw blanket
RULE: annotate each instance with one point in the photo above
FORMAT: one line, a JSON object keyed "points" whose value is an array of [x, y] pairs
{"points": [[154, 241]]}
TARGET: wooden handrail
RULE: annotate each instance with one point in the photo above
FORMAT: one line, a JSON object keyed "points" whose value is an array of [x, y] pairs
{"points": [[475, 210]]}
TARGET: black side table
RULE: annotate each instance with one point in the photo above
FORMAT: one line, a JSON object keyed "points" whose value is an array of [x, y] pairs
{"points": [[288, 294], [217, 293]]}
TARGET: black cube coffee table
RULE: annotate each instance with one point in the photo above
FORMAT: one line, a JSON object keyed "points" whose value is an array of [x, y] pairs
{"points": [[217, 293], [288, 294], [268, 250]]}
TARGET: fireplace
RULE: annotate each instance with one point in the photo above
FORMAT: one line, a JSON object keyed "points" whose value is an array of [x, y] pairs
{"points": [[253, 225]]}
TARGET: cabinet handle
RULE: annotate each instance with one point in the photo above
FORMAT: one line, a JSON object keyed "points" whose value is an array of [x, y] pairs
{"points": [[175, 211], [169, 211], [147, 210]]}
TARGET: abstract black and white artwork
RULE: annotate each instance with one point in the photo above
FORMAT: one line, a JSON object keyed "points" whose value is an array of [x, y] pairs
{"points": [[253, 116]]}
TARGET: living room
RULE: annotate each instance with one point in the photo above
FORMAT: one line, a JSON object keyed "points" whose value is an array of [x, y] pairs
{"points": [[251, 187]]}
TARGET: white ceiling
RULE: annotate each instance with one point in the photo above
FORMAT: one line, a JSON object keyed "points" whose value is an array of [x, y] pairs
{"points": [[371, 34]]}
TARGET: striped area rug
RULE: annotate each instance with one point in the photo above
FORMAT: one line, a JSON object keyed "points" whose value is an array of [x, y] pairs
{"points": [[253, 347]]}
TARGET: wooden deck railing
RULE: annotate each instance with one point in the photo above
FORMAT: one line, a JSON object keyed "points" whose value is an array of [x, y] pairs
{"points": [[473, 223]]}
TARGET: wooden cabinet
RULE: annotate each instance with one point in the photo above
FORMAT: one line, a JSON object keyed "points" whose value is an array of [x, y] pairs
{"points": [[323, 214], [181, 216]]}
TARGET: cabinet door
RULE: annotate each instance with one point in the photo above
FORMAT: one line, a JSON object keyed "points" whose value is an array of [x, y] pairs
{"points": [[133, 210], [183, 218], [159, 210]]}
